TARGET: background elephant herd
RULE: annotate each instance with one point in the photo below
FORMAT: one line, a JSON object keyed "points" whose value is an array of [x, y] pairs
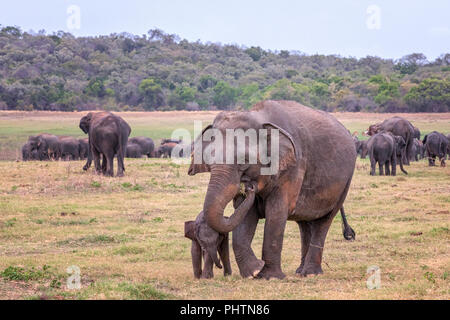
{"points": [[397, 141], [309, 188], [46, 146]]}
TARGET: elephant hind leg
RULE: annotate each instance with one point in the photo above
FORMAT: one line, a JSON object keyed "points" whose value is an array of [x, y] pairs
{"points": [[305, 234]]}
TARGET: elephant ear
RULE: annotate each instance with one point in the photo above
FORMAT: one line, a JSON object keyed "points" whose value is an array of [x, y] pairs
{"points": [[195, 168], [189, 230], [287, 148]]}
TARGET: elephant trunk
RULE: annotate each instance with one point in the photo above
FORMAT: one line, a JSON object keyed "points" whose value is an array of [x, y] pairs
{"points": [[223, 187]]}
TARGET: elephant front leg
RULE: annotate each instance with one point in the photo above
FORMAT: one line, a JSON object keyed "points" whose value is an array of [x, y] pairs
{"points": [[276, 217], [249, 265]]}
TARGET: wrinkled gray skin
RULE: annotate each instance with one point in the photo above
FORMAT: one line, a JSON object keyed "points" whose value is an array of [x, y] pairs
{"points": [[47, 146], [28, 154], [386, 150], [133, 151], [436, 145], [83, 148], [317, 161], [69, 148], [147, 146], [108, 136], [206, 243]]}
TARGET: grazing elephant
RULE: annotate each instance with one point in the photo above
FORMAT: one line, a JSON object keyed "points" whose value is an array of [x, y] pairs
{"points": [[69, 148], [316, 163], [28, 154], [147, 145], [108, 135], [84, 148], [133, 151], [436, 145], [47, 146], [384, 148], [165, 150], [207, 242], [361, 148], [399, 127], [418, 150]]}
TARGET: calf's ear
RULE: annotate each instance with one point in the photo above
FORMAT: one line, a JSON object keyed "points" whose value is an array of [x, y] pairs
{"points": [[189, 227]]}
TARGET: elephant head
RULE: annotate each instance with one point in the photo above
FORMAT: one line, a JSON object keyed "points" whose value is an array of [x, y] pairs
{"points": [[85, 122], [227, 173]]}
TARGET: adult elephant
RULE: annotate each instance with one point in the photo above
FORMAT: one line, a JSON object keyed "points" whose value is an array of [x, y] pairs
{"points": [[69, 148], [133, 150], [47, 146], [147, 146], [399, 127], [108, 135], [436, 145], [84, 148], [385, 149], [316, 163]]}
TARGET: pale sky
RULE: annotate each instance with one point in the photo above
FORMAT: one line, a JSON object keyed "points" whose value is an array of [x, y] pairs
{"points": [[389, 29]]}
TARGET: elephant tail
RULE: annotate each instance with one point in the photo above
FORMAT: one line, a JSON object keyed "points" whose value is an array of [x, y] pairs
{"points": [[347, 231]]}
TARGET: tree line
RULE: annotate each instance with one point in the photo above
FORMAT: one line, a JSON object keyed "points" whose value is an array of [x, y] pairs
{"points": [[160, 71]]}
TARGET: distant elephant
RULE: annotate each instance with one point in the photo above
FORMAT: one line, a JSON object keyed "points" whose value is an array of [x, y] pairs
{"points": [[418, 150], [361, 148], [28, 154], [309, 185], [207, 242], [133, 150], [47, 146], [384, 149], [416, 133], [69, 148], [448, 148], [165, 150], [399, 127], [108, 135], [177, 141], [83, 148], [147, 146], [436, 145]]}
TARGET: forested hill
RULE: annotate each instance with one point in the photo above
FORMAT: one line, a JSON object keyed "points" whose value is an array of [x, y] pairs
{"points": [[159, 71]]}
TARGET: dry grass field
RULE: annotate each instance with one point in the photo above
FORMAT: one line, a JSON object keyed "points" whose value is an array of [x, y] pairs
{"points": [[126, 234]]}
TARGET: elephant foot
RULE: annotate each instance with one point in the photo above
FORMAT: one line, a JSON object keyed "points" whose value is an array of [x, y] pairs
{"points": [[85, 168], [207, 275], [313, 269], [252, 269], [271, 273], [120, 174]]}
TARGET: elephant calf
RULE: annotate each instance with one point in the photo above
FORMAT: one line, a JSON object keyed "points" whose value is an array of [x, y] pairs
{"points": [[207, 242], [436, 145], [386, 149]]}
